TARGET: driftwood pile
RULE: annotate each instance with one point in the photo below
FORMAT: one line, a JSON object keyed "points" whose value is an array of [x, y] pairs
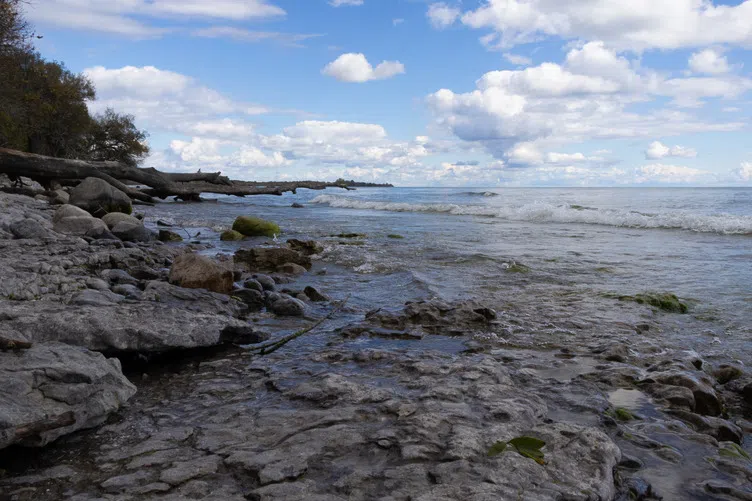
{"points": [[143, 184]]}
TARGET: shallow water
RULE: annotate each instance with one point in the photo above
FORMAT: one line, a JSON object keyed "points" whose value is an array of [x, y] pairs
{"points": [[552, 262]]}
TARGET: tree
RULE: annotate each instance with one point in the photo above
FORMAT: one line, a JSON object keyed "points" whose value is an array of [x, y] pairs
{"points": [[15, 32], [113, 136]]}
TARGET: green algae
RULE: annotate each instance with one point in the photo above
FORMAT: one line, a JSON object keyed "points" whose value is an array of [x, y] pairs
{"points": [[255, 227]]}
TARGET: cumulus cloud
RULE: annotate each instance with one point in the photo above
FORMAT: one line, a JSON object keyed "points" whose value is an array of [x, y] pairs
{"points": [[140, 18], [659, 24], [672, 174], [657, 150], [514, 114], [517, 59], [709, 61], [355, 68], [744, 172], [442, 15]]}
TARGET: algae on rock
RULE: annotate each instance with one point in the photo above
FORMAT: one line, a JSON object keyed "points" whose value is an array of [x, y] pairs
{"points": [[255, 227]]}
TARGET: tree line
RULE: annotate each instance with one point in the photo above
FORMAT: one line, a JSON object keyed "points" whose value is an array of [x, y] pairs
{"points": [[43, 105]]}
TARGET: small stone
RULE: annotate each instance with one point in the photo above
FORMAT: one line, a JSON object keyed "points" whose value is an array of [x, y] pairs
{"points": [[254, 285], [246, 334], [91, 297], [296, 205], [314, 295], [169, 236], [113, 218], [97, 284], [129, 232], [291, 269], [129, 291], [288, 307], [231, 236], [194, 271], [727, 373], [266, 282], [253, 298]]}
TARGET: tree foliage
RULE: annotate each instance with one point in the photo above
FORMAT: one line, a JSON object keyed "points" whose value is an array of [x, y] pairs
{"points": [[43, 105]]}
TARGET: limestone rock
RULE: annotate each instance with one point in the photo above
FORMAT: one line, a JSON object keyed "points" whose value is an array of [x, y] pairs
{"points": [[98, 197], [130, 232], [79, 225], [194, 271], [69, 211], [29, 229], [53, 389], [59, 197], [113, 218]]}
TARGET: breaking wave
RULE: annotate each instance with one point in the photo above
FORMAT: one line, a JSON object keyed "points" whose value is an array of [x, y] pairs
{"points": [[539, 212], [480, 194]]}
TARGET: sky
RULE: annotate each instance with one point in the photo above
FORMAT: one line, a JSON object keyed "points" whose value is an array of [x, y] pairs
{"points": [[424, 93]]}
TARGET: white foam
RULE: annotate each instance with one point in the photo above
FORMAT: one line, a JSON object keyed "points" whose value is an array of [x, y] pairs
{"points": [[540, 212]]}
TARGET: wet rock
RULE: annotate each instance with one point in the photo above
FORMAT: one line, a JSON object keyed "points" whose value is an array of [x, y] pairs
{"points": [[305, 247], [91, 297], [79, 225], [194, 271], [69, 211], [169, 236], [436, 317], [726, 489], [231, 236], [244, 334], [129, 232], [706, 400], [53, 389], [97, 284], [615, 353], [315, 295], [98, 198], [99, 233], [255, 227], [254, 284], [253, 298], [269, 258], [113, 218], [29, 229], [266, 282], [718, 428], [288, 307], [726, 373], [195, 300], [296, 205], [291, 269], [143, 272], [126, 482]]}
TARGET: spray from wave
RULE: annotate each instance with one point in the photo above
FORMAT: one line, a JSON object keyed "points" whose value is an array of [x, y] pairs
{"points": [[539, 212]]}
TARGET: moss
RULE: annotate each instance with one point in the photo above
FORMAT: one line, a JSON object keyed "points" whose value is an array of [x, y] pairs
{"points": [[732, 450], [255, 227], [395, 236], [231, 236], [623, 414], [666, 302], [350, 235]]}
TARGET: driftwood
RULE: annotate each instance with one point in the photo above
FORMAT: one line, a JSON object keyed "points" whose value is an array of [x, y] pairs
{"points": [[183, 186]]}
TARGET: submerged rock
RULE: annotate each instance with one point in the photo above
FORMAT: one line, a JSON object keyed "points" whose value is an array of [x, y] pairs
{"points": [[194, 271], [98, 198], [255, 227], [169, 236], [231, 236], [53, 389], [291, 269], [269, 258], [307, 247]]}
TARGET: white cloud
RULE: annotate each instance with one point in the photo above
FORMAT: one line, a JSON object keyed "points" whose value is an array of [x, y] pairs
{"points": [[340, 3], [708, 61], [136, 18], [590, 96], [243, 35], [658, 150], [656, 24], [744, 172], [442, 15], [355, 68], [517, 59], [673, 174]]}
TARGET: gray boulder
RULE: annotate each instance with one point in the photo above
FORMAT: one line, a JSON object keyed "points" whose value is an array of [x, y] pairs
{"points": [[29, 229], [51, 390], [251, 297], [59, 197], [194, 271], [69, 211], [129, 291], [91, 297], [269, 258], [288, 307], [130, 232], [291, 269], [98, 197], [80, 226], [267, 282], [113, 218]]}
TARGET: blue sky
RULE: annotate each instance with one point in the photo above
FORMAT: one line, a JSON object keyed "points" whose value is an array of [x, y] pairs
{"points": [[475, 93]]}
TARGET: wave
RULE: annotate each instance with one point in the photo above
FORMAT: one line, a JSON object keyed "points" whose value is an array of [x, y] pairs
{"points": [[539, 212]]}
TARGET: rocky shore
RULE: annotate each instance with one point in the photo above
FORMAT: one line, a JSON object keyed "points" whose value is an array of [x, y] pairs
{"points": [[112, 385]]}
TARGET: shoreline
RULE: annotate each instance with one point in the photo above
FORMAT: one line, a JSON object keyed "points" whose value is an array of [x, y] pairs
{"points": [[373, 402]]}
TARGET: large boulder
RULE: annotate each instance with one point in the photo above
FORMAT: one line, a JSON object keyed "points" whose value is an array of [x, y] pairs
{"points": [[80, 225], [194, 271], [98, 197], [231, 236], [59, 197], [129, 232], [68, 211], [113, 218], [54, 389], [255, 227], [270, 258]]}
